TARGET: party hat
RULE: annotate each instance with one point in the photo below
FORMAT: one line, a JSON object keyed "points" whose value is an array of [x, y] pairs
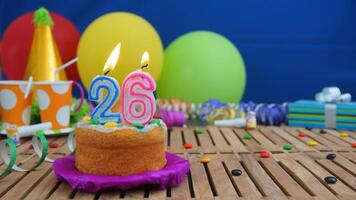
{"points": [[44, 57]]}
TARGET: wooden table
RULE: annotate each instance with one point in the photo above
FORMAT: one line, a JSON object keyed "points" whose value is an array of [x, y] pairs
{"points": [[297, 174]]}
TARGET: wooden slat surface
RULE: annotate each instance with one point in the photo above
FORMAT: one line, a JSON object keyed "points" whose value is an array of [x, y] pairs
{"points": [[295, 174]]}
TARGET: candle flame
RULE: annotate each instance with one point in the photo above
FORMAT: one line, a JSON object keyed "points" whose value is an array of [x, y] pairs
{"points": [[112, 60], [145, 59]]}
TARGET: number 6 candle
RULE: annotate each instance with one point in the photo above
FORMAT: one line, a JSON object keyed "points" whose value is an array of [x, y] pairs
{"points": [[138, 105], [102, 112]]}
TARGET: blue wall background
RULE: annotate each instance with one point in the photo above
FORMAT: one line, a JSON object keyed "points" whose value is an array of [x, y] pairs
{"points": [[291, 48]]}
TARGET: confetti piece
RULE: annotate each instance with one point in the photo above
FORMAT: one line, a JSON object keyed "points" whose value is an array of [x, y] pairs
{"points": [[353, 145], [198, 131]]}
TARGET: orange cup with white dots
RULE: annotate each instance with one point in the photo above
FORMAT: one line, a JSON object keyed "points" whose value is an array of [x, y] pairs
{"points": [[15, 107], [54, 101]]}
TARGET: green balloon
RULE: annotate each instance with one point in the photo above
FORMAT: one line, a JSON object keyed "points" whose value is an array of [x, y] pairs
{"points": [[201, 65]]}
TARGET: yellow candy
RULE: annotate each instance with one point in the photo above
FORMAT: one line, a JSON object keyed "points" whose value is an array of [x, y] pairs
{"points": [[312, 143], [110, 124], [205, 159], [344, 134], [86, 118]]}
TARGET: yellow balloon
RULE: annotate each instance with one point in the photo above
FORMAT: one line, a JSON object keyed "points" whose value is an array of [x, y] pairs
{"points": [[100, 38]]}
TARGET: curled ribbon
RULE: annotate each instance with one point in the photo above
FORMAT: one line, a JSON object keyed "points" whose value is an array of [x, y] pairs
{"points": [[173, 118], [10, 160], [221, 114], [209, 106], [332, 95], [190, 109], [267, 114]]}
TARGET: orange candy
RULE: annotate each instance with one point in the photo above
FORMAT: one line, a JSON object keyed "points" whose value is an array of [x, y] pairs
{"points": [[187, 146]]}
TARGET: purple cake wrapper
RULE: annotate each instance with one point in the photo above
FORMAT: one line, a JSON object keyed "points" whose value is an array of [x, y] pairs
{"points": [[171, 175]]}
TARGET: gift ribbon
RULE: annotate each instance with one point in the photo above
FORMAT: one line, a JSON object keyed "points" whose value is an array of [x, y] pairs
{"points": [[70, 142], [82, 96], [208, 106], [332, 95], [221, 114], [267, 114], [10, 161]]}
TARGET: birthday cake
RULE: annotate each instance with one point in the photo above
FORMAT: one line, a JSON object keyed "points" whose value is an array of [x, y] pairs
{"points": [[120, 150]]}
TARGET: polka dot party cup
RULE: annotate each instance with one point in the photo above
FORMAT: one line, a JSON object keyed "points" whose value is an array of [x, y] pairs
{"points": [[14, 107], [54, 100]]}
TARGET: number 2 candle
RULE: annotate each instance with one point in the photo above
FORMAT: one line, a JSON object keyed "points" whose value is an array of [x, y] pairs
{"points": [[138, 105], [102, 112]]}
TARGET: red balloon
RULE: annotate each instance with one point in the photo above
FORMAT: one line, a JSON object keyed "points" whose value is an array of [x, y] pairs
{"points": [[17, 40]]}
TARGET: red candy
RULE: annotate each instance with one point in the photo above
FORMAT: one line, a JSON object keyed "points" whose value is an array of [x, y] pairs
{"points": [[157, 116], [354, 145], [264, 154], [302, 134], [187, 146], [53, 145]]}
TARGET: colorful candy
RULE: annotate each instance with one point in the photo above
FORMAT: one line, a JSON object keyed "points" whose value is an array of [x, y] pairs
{"points": [[110, 125], [331, 156], [302, 134], [236, 172], [247, 136], [53, 145], [187, 146], [86, 118], [264, 154], [205, 160], [330, 180], [344, 134], [287, 147], [312, 143]]}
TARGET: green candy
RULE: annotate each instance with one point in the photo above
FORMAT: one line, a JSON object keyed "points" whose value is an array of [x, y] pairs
{"points": [[93, 122], [247, 136], [138, 125], [287, 147], [157, 122], [198, 131]]}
